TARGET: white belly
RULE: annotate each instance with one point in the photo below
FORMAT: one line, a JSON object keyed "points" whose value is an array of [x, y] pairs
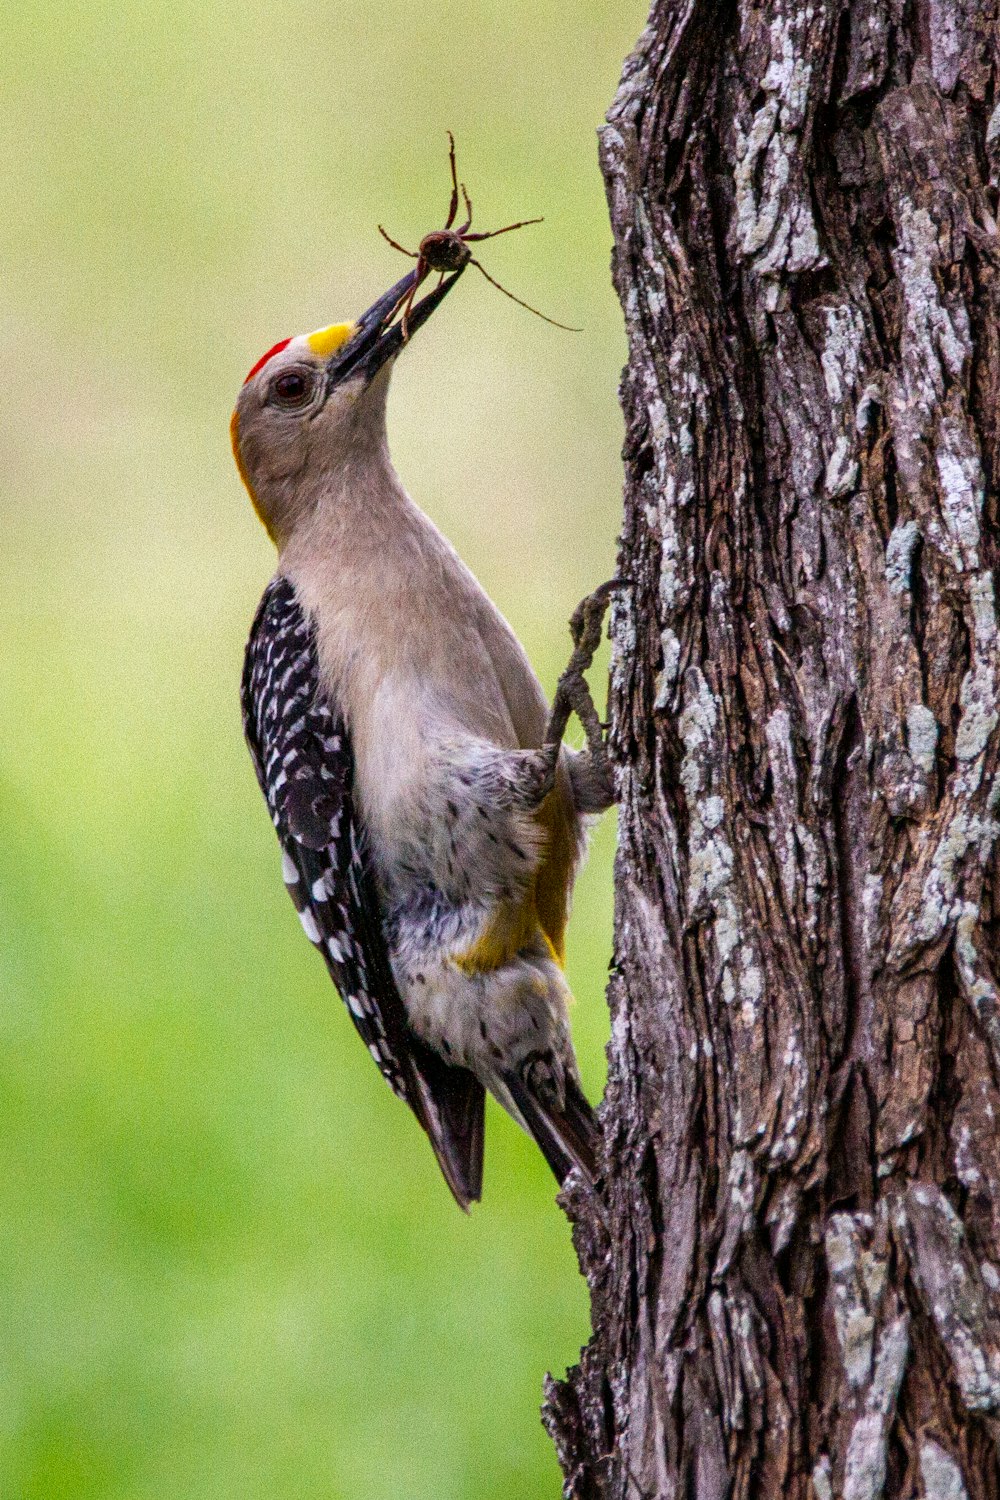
{"points": [[391, 737]]}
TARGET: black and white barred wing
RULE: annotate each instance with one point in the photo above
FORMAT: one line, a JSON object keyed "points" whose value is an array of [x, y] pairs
{"points": [[302, 755]]}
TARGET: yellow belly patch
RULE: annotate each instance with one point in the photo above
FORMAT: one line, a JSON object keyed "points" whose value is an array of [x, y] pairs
{"points": [[555, 873], [544, 910], [513, 928]]}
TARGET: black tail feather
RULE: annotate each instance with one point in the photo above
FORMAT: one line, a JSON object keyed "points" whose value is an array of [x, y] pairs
{"points": [[567, 1138], [579, 1118], [453, 1111]]}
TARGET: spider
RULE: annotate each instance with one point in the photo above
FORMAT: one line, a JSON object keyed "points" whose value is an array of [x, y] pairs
{"points": [[447, 249]]}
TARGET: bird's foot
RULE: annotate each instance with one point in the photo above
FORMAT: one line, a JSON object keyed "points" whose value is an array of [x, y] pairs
{"points": [[593, 778]]}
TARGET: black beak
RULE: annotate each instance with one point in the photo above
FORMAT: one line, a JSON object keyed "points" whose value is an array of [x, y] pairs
{"points": [[379, 339]]}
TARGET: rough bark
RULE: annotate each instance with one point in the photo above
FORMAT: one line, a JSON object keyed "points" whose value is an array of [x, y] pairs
{"points": [[795, 1259]]}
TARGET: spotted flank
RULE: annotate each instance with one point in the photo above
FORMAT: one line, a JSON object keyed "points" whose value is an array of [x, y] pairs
{"points": [[302, 755], [303, 762]]}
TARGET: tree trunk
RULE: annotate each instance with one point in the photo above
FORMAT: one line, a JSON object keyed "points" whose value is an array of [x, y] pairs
{"points": [[795, 1261]]}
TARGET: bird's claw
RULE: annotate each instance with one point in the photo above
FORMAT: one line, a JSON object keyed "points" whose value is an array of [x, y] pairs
{"points": [[572, 694], [588, 617]]}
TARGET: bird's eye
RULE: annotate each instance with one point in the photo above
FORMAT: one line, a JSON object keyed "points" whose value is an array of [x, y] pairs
{"points": [[292, 388]]}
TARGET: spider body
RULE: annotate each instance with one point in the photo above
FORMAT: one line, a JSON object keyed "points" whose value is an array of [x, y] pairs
{"points": [[443, 250]]}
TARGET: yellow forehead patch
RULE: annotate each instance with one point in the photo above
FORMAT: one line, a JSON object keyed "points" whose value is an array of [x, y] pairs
{"points": [[326, 341]]}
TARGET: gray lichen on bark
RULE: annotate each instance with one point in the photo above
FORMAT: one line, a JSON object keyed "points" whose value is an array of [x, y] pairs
{"points": [[795, 1268]]}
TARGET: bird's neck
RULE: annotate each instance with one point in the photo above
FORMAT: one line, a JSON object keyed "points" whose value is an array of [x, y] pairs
{"points": [[358, 518]]}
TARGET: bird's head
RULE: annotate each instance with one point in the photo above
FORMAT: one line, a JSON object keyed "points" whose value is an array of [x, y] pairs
{"points": [[316, 402]]}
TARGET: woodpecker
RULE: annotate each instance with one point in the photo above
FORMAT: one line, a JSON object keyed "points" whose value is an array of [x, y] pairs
{"points": [[430, 826]]}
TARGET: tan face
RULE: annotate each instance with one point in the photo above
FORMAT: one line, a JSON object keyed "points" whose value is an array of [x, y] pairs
{"points": [[294, 426], [316, 402]]}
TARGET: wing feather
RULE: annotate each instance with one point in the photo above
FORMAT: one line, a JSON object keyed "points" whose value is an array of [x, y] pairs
{"points": [[301, 751]]}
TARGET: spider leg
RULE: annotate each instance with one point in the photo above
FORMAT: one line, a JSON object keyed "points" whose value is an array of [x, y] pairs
{"points": [[406, 300], [463, 231], [565, 326], [491, 234], [401, 248], [423, 270], [453, 206]]}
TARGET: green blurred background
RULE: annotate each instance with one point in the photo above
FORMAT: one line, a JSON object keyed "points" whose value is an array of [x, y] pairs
{"points": [[228, 1264]]}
